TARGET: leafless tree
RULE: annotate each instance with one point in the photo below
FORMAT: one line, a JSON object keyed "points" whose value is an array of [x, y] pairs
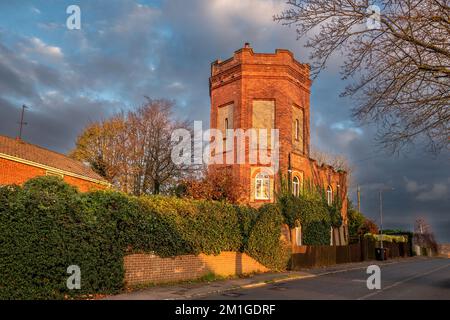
{"points": [[399, 60], [133, 150], [337, 161], [423, 235]]}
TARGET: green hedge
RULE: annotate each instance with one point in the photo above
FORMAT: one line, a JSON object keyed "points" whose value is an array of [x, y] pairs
{"points": [[47, 225], [311, 210], [312, 213], [264, 244], [44, 228], [316, 233]]}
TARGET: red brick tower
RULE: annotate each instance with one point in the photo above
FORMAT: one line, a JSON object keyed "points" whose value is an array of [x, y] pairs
{"points": [[269, 90]]}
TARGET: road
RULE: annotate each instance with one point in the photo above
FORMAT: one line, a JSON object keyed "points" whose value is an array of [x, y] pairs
{"points": [[416, 279]]}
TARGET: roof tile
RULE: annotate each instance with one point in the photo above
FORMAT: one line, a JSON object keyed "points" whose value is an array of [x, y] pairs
{"points": [[20, 149]]}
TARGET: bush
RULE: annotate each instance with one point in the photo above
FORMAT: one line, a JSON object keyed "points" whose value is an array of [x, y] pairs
{"points": [[46, 229], [316, 233], [213, 228], [264, 242], [355, 221], [47, 225], [247, 218], [312, 212]]}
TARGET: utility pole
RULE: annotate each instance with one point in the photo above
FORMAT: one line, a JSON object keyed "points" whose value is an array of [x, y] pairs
{"points": [[381, 223], [22, 123], [381, 219]]}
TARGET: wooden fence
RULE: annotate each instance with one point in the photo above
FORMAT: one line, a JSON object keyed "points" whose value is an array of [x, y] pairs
{"points": [[364, 250]]}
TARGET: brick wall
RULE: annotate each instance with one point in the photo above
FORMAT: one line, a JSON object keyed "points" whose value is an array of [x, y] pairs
{"points": [[12, 172], [149, 268]]}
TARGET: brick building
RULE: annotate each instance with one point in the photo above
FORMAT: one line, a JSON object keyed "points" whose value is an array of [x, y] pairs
{"points": [[272, 91], [21, 161]]}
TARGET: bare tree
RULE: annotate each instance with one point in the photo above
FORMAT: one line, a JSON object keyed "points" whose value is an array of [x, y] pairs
{"points": [[400, 58], [133, 150], [423, 235], [337, 161]]}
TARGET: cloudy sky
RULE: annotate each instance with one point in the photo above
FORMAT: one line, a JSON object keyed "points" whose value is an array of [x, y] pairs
{"points": [[128, 49]]}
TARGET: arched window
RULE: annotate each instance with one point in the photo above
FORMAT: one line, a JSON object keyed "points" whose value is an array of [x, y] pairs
{"points": [[329, 196], [262, 186], [296, 186], [297, 129]]}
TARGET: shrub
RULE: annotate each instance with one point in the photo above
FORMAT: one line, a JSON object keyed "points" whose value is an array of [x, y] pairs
{"points": [[312, 212], [387, 238], [316, 233], [368, 226], [247, 218], [355, 220], [174, 226], [213, 228], [264, 243], [43, 231], [47, 225]]}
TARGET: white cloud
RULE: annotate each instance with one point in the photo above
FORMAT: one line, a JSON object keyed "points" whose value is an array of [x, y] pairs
{"points": [[438, 191], [176, 85], [413, 186], [42, 48], [427, 192], [36, 10], [230, 14], [135, 19]]}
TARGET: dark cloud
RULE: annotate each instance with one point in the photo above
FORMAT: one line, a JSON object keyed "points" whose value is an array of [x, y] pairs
{"points": [[129, 49]]}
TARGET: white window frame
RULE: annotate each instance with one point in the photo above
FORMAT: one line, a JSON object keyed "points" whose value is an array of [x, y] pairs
{"points": [[296, 186], [264, 180], [329, 195]]}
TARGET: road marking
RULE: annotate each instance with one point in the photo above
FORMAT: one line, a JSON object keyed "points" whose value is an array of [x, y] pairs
{"points": [[403, 281]]}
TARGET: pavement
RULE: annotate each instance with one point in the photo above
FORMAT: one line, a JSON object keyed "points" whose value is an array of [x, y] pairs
{"points": [[412, 279], [429, 277]]}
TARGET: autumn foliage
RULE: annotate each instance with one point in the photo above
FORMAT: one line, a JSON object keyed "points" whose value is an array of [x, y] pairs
{"points": [[215, 184], [368, 226]]}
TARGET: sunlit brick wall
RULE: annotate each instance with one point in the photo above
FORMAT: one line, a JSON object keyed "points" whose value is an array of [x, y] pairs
{"points": [[148, 268]]}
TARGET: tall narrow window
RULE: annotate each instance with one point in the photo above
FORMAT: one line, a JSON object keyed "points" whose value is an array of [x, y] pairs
{"points": [[295, 186], [329, 196], [262, 186], [297, 130], [226, 124]]}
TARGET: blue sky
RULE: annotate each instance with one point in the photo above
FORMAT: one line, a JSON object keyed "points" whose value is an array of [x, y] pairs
{"points": [[128, 49]]}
